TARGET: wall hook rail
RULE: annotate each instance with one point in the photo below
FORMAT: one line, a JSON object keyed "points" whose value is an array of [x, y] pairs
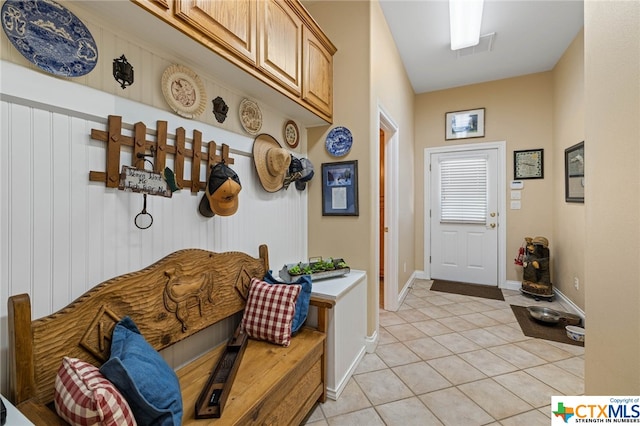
{"points": [[159, 148]]}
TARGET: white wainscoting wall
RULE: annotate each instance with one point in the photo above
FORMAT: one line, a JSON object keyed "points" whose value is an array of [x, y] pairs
{"points": [[61, 234]]}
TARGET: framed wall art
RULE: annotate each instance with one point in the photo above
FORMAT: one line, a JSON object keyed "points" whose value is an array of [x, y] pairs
{"points": [[528, 164], [574, 173], [464, 124], [340, 188]]}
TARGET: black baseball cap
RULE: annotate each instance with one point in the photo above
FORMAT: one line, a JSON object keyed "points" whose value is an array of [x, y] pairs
{"points": [[221, 195]]}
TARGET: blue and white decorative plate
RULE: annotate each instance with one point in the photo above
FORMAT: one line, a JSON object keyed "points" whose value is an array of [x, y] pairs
{"points": [[50, 37], [339, 141]]}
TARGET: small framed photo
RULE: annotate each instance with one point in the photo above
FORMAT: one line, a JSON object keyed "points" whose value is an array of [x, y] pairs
{"points": [[574, 173], [464, 124], [528, 164], [340, 188]]}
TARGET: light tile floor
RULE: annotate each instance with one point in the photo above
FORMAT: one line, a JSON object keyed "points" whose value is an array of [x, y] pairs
{"points": [[446, 359]]}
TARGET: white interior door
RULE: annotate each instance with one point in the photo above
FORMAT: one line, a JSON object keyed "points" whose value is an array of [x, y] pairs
{"points": [[464, 216]]}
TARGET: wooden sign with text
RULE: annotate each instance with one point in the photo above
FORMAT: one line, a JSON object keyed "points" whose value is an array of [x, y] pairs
{"points": [[145, 181]]}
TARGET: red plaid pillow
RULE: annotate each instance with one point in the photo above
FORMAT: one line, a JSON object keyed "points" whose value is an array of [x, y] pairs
{"points": [[269, 311], [83, 396]]}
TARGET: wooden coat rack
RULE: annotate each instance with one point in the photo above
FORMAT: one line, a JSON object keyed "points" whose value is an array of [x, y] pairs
{"points": [[141, 146]]}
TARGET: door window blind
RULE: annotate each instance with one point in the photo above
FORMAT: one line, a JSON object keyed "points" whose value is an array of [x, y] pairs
{"points": [[463, 191]]}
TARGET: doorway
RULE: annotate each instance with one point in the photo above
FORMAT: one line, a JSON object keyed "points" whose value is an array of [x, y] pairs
{"points": [[465, 228], [387, 212], [382, 228]]}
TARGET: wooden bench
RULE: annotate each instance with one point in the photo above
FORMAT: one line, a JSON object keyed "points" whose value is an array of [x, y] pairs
{"points": [[274, 384]]}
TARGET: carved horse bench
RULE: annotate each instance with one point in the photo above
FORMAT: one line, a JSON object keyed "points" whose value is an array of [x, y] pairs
{"points": [[176, 297]]}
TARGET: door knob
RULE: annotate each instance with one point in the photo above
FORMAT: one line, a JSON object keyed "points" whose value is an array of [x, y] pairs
{"points": [[492, 214], [492, 225]]}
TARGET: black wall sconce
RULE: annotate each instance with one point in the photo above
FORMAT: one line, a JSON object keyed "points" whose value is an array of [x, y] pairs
{"points": [[123, 71], [220, 109]]}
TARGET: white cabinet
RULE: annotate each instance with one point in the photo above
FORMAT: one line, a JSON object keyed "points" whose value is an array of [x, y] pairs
{"points": [[347, 326], [14, 416]]}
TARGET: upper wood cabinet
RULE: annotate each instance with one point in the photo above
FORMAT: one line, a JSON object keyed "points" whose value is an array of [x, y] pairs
{"points": [[232, 24], [280, 53], [276, 41], [318, 72]]}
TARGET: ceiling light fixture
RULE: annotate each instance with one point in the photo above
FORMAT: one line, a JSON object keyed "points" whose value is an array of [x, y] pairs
{"points": [[465, 18]]}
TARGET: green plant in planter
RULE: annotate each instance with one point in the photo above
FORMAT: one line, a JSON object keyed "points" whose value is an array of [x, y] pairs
{"points": [[329, 264], [318, 266], [295, 270]]}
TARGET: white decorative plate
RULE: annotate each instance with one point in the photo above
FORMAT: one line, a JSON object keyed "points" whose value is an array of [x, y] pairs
{"points": [[250, 116], [291, 133], [339, 141], [50, 37], [183, 90]]}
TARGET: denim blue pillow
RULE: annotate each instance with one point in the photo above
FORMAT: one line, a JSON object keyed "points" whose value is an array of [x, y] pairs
{"points": [[147, 382], [302, 304]]}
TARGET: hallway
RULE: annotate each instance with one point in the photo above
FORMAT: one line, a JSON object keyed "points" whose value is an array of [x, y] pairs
{"points": [[446, 359]]}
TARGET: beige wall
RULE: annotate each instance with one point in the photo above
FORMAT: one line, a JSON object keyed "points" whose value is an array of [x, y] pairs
{"points": [[347, 25], [368, 74], [568, 218], [518, 111], [612, 153], [393, 93]]}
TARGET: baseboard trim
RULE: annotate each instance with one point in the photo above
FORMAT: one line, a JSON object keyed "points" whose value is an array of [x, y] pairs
{"points": [[511, 285], [421, 275], [405, 290], [371, 342], [335, 393], [517, 285], [569, 302]]}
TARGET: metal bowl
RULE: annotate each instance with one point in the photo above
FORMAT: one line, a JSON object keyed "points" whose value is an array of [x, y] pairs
{"points": [[570, 319], [544, 314]]}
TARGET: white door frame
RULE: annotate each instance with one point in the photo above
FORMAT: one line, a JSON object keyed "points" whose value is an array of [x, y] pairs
{"points": [[386, 123], [502, 211]]}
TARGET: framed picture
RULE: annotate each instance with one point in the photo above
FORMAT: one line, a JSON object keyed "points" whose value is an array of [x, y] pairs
{"points": [[528, 164], [574, 173], [340, 188], [464, 124]]}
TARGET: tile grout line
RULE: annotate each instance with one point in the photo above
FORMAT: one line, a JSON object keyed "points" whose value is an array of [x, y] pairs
{"points": [[415, 302]]}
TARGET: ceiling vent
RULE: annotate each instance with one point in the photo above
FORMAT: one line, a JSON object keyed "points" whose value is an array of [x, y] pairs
{"points": [[484, 45]]}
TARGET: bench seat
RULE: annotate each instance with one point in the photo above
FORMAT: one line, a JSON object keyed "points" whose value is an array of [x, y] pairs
{"points": [[178, 296], [274, 385]]}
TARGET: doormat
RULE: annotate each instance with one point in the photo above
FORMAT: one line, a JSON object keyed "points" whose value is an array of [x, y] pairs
{"points": [[532, 328], [475, 290]]}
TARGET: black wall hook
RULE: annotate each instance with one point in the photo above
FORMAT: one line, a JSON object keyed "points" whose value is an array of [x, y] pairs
{"points": [[123, 71]]}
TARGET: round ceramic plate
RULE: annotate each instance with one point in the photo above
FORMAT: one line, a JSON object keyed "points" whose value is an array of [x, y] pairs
{"points": [[50, 37], [183, 90], [291, 134], [339, 141], [250, 116]]}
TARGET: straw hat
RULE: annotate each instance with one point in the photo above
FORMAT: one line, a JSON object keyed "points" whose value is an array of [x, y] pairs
{"points": [[272, 162]]}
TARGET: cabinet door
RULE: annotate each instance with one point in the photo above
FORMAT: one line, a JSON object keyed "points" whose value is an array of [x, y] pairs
{"points": [[280, 41], [231, 24], [317, 86]]}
